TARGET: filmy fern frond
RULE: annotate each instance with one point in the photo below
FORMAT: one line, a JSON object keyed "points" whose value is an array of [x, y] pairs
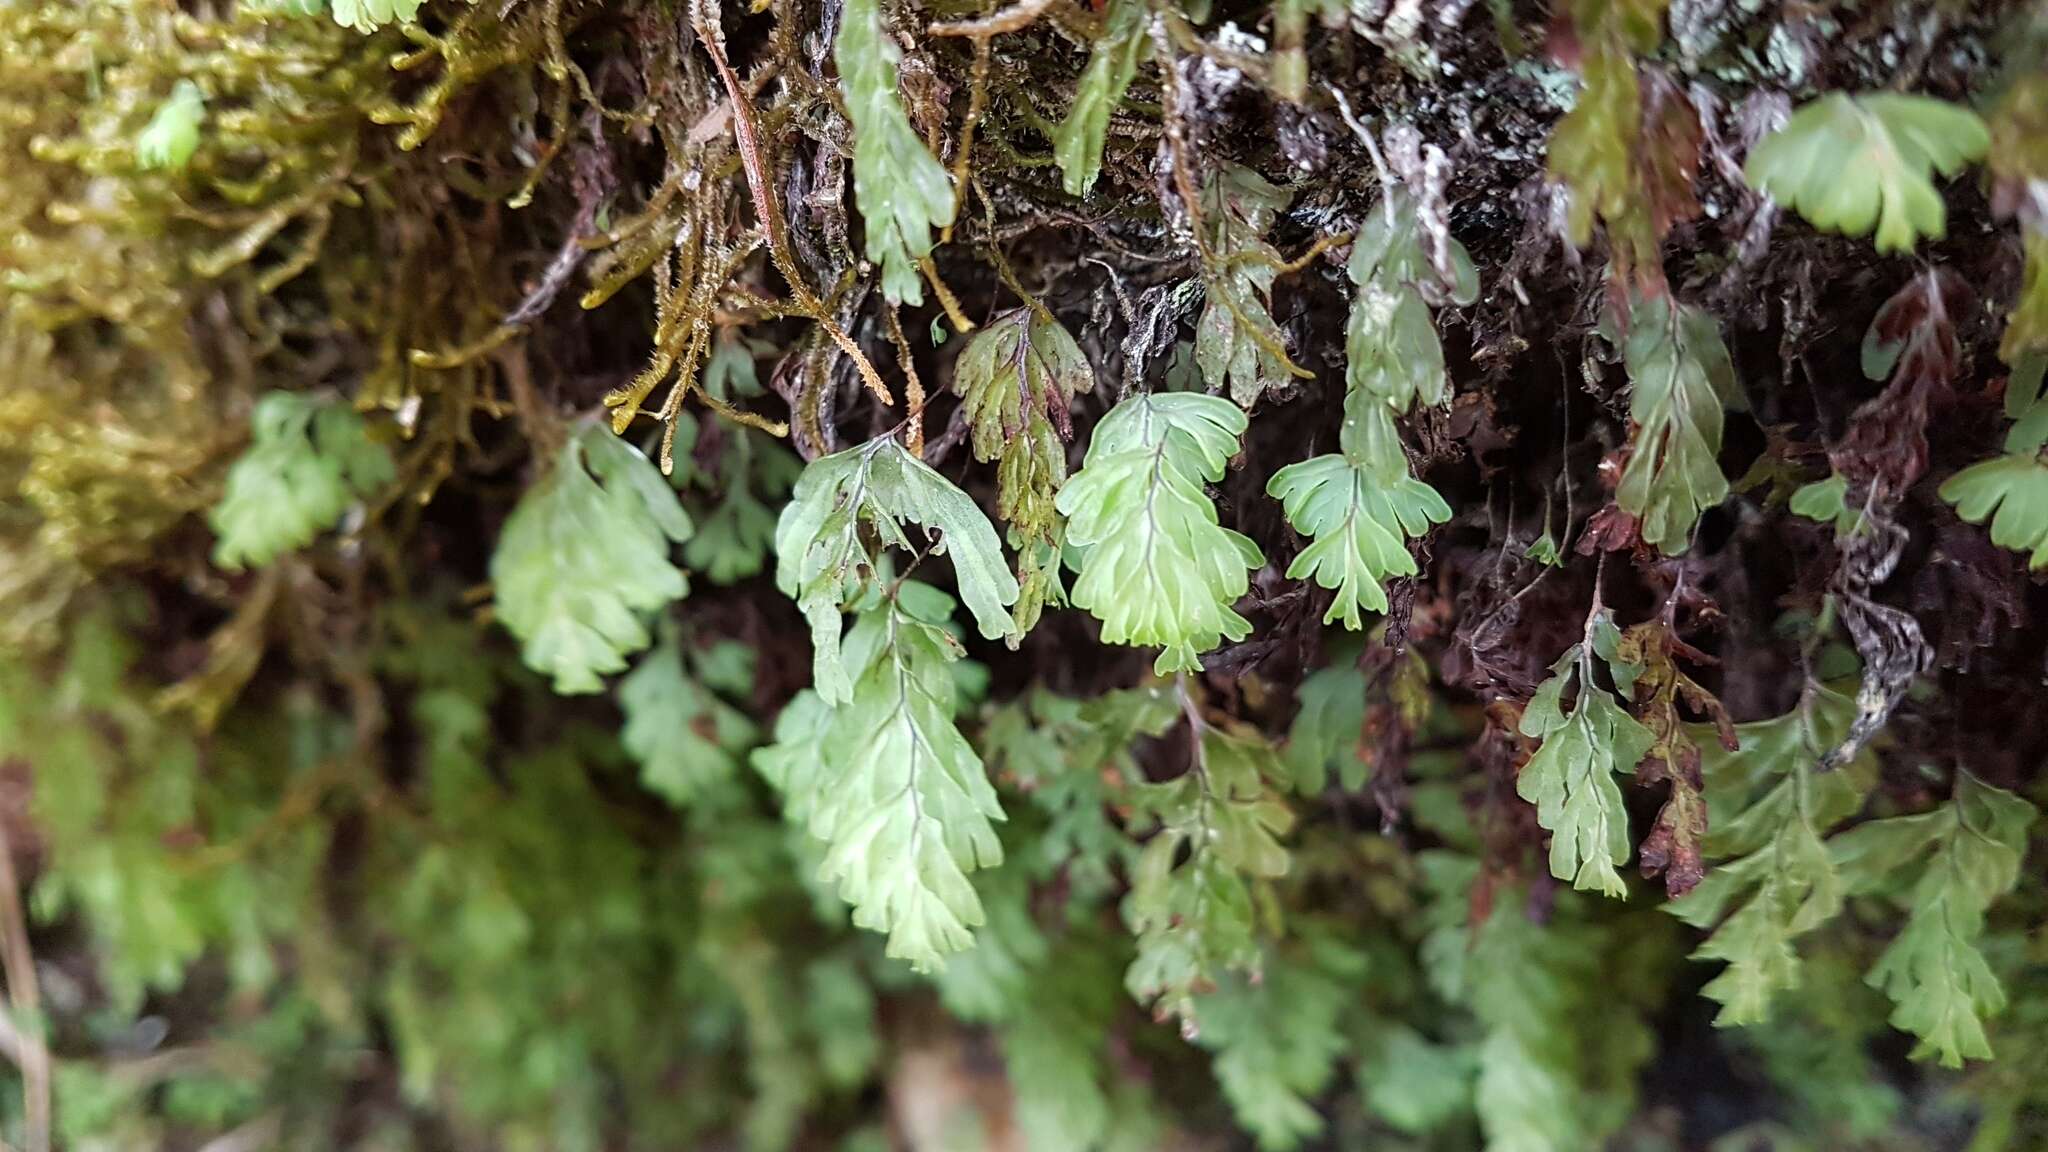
{"points": [[1361, 528], [1156, 567], [1190, 902], [1848, 163], [1680, 377], [1112, 64], [903, 191], [1570, 779], [823, 562], [1773, 879], [891, 788], [584, 559], [309, 459]]}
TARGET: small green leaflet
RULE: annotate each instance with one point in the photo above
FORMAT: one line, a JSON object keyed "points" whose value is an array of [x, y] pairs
{"points": [[1391, 349], [1560, 1024], [1276, 1041], [1970, 849], [1362, 506], [579, 611], [889, 785], [751, 476], [1328, 730], [1680, 378], [309, 459], [370, 15], [1360, 528], [1155, 566], [1017, 378], [1848, 163], [1237, 344], [2012, 492], [687, 740], [902, 189], [1773, 879], [1190, 903], [1077, 143], [824, 565], [1827, 501], [1073, 758], [1570, 779], [172, 135]]}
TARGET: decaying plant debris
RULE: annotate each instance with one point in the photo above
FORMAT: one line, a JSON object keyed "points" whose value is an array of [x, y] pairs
{"points": [[857, 574]]}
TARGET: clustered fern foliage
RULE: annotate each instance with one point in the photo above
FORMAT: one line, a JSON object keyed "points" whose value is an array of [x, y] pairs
{"points": [[902, 574]]}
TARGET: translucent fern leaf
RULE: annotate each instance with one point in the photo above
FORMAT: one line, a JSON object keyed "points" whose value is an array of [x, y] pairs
{"points": [[1155, 567], [903, 191], [1238, 345], [1592, 150], [308, 460], [901, 802], [1190, 903], [1017, 378], [1935, 974], [1680, 377], [1557, 1026], [751, 479], [1276, 1042], [1360, 529], [1850, 163], [370, 15], [1328, 729], [823, 562], [1570, 779], [172, 135], [1077, 142], [1773, 878], [2012, 492], [687, 741], [1391, 349], [584, 559]]}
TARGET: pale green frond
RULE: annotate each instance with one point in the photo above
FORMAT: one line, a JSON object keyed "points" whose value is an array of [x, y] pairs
{"points": [[1851, 163], [2012, 492], [309, 459], [1155, 566], [889, 786], [1937, 977], [1391, 349], [903, 191], [1113, 62], [1774, 877], [1570, 779], [584, 560], [1238, 345], [1360, 528], [1680, 378], [1191, 898], [823, 562], [1276, 1042]]}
